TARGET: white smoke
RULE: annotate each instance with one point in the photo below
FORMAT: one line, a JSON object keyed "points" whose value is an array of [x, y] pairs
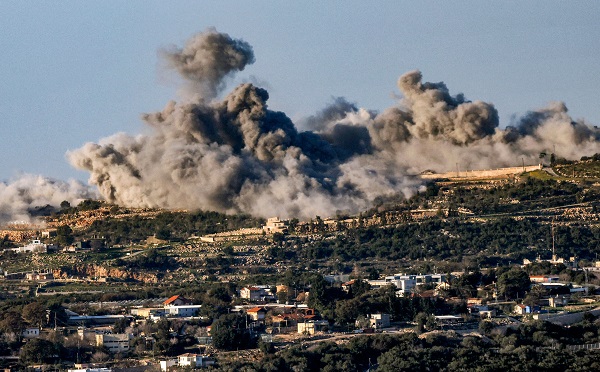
{"points": [[236, 155], [23, 194]]}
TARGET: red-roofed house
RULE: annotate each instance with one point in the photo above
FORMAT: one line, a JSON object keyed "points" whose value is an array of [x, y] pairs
{"points": [[177, 300], [257, 313]]}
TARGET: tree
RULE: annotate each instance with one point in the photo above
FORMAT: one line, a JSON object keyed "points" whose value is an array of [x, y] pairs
{"points": [[64, 235], [38, 351], [65, 204], [513, 283], [34, 313], [229, 333], [318, 298], [163, 234], [12, 323]]}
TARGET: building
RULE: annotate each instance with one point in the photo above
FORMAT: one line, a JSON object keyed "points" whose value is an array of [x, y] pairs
{"points": [[165, 365], [95, 319], [115, 343], [194, 360], [378, 321], [257, 313], [149, 312], [39, 276], [275, 225], [36, 246], [182, 310], [176, 301], [257, 293], [521, 309], [31, 332], [404, 283], [544, 278], [312, 326]]}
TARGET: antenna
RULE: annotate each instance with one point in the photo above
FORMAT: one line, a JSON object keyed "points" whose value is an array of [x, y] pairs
{"points": [[553, 252]]}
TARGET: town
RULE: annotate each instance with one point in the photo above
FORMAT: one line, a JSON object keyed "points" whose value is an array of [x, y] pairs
{"points": [[82, 295]]}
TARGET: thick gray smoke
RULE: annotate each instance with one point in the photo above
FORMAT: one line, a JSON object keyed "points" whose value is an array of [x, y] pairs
{"points": [[208, 58], [236, 155], [21, 196]]}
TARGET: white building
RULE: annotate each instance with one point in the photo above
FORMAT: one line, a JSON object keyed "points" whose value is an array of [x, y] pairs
{"points": [[32, 332], [257, 293], [379, 321], [404, 283], [115, 343], [36, 246], [274, 225], [194, 360], [183, 310], [165, 365]]}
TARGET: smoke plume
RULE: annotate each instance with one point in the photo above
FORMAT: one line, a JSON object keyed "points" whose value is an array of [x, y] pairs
{"points": [[236, 155], [19, 197]]}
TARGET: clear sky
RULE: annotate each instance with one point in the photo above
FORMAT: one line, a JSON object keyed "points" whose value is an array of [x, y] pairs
{"points": [[76, 71]]}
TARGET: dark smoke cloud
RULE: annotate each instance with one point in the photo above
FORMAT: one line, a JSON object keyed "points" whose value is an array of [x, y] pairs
{"points": [[236, 155], [208, 58]]}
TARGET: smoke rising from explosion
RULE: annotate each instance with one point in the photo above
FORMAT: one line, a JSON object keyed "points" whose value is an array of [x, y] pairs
{"points": [[23, 194], [236, 155]]}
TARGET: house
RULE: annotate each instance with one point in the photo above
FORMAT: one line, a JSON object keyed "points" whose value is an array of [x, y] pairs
{"points": [[39, 276], [31, 332], [36, 246], [176, 301], [149, 312], [544, 278], [558, 301], [165, 365], [404, 283], [347, 286], [194, 360], [251, 293], [257, 293], [275, 225], [183, 310], [521, 309], [378, 321], [312, 326], [257, 313], [115, 343]]}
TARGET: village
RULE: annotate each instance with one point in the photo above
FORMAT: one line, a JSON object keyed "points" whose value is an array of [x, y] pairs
{"points": [[119, 334]]}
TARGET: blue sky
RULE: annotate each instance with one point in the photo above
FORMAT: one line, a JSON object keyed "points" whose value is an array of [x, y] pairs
{"points": [[76, 71]]}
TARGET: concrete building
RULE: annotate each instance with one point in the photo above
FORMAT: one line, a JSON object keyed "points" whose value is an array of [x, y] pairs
{"points": [[183, 310], [275, 225], [378, 321], [115, 343], [312, 326], [404, 283], [165, 365], [39, 276], [194, 360], [257, 293], [31, 332], [35, 246]]}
